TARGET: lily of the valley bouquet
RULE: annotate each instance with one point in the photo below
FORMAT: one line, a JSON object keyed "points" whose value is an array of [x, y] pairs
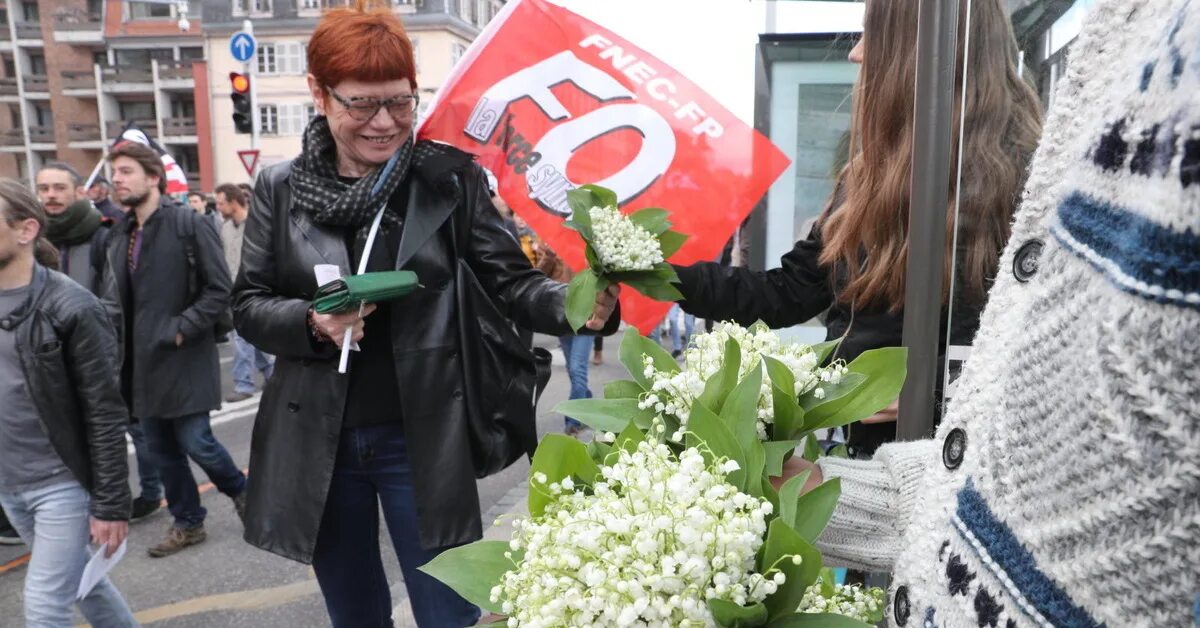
{"points": [[670, 517], [628, 249]]}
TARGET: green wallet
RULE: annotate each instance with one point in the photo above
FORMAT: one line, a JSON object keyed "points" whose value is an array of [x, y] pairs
{"points": [[345, 294]]}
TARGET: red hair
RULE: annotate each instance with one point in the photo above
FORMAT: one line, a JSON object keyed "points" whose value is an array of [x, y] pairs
{"points": [[364, 41]]}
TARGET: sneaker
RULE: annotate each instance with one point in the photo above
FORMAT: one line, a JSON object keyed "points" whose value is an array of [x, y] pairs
{"points": [[177, 539], [239, 505], [235, 397], [572, 429], [8, 536], [598, 358], [143, 508], [676, 353]]}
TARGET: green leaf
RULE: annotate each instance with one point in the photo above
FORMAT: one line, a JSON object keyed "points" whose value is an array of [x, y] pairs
{"points": [[671, 242], [728, 614], [828, 582], [634, 346], [814, 509], [608, 415], [623, 389], [823, 349], [593, 259], [839, 451], [789, 495], [816, 620], [598, 451], [581, 297], [783, 541], [473, 569], [558, 456], [629, 438], [756, 460], [789, 416], [777, 452], [718, 386], [884, 370], [833, 397], [740, 410], [581, 202], [656, 289], [601, 196], [812, 448], [707, 428], [652, 219], [666, 272], [768, 493]]}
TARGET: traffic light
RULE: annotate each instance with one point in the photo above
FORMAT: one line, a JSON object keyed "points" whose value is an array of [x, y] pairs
{"points": [[240, 84]]}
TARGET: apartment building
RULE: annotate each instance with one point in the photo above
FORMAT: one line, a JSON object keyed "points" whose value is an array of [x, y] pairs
{"points": [[440, 30], [73, 72]]}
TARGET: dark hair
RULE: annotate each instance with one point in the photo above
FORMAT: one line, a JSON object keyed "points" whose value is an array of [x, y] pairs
{"points": [[147, 158], [233, 193], [18, 205], [200, 194], [76, 180]]}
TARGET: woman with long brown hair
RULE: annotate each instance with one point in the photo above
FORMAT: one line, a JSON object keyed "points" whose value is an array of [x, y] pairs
{"points": [[852, 264]]}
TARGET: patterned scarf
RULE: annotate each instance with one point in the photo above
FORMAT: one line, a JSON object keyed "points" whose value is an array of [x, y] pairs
{"points": [[317, 190]]}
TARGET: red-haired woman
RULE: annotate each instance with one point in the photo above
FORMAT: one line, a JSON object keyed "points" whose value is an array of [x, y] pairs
{"points": [[330, 449], [852, 264]]}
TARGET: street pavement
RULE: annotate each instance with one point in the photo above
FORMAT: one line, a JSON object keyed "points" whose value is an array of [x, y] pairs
{"points": [[225, 581]]}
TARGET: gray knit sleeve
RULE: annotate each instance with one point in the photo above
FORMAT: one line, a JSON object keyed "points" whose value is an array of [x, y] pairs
{"points": [[876, 505]]}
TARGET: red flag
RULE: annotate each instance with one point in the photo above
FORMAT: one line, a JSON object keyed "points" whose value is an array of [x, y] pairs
{"points": [[549, 101], [176, 179]]}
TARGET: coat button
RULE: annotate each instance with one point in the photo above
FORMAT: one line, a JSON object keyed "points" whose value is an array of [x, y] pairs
{"points": [[458, 394], [1025, 263], [293, 407], [900, 608], [954, 448]]}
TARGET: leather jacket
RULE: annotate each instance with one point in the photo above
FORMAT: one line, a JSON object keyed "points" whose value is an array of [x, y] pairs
{"points": [[66, 346]]}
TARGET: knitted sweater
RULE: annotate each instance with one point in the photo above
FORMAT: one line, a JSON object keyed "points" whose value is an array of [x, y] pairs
{"points": [[1063, 486]]}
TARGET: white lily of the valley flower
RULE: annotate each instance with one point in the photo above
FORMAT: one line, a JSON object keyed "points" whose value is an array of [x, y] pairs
{"points": [[621, 244]]}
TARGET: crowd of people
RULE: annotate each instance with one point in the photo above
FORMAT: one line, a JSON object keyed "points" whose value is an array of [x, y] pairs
{"points": [[1061, 487]]}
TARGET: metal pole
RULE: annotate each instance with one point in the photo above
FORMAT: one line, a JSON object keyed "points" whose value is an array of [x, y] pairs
{"points": [[937, 35], [251, 68]]}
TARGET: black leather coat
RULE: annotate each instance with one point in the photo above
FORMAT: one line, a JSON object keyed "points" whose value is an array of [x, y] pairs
{"points": [[300, 419], [66, 346]]}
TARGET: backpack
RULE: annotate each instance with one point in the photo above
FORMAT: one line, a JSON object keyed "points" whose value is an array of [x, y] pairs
{"points": [[186, 231]]}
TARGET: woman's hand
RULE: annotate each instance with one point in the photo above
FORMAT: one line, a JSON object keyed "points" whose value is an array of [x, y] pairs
{"points": [[108, 534], [334, 326], [795, 466], [886, 415], [606, 302]]}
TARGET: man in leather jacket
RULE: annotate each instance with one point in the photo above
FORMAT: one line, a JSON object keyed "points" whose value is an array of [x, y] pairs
{"points": [[62, 433]]}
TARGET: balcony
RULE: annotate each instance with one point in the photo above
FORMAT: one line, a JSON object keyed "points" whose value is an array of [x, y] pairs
{"points": [[41, 135], [9, 91], [179, 128], [37, 85], [12, 140], [73, 25], [84, 135], [29, 31], [79, 83], [176, 75], [115, 127], [127, 79]]}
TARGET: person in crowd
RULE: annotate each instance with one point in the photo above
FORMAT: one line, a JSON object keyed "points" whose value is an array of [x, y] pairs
{"points": [[77, 228], [575, 348], [198, 201], [852, 264], [80, 233], [330, 449], [598, 350], [1062, 488], [98, 193], [248, 190], [169, 285], [63, 477], [233, 206]]}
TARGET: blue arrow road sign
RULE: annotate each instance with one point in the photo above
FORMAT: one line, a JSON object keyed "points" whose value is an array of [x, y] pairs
{"points": [[242, 46]]}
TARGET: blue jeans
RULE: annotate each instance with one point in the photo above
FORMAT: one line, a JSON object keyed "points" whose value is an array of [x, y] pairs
{"points": [[689, 327], [172, 442], [54, 522], [576, 350], [246, 359], [148, 478], [372, 468]]}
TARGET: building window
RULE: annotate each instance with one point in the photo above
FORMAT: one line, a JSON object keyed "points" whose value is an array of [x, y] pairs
{"points": [[268, 119], [183, 108], [310, 112], [266, 59], [457, 51], [150, 10], [29, 10], [464, 9], [140, 111], [241, 7], [260, 6], [42, 115], [37, 65], [309, 5], [293, 118], [191, 53]]}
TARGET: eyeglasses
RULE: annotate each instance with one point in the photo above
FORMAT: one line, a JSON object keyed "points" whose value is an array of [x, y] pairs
{"points": [[365, 109]]}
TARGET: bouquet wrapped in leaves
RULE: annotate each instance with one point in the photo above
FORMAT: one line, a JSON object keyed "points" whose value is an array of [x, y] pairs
{"points": [[628, 249], [670, 518]]}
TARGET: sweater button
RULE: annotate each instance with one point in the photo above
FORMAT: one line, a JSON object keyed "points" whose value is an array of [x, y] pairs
{"points": [[457, 395], [293, 407], [1025, 262], [900, 608], [954, 448]]}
